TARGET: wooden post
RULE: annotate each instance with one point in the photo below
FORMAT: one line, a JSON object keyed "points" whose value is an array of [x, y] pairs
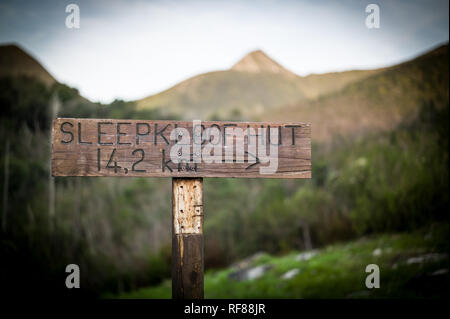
{"points": [[187, 238], [5, 188]]}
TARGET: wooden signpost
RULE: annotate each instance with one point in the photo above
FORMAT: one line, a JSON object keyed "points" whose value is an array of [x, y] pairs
{"points": [[186, 152]]}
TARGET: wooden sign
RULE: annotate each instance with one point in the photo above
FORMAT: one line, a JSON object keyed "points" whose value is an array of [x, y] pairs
{"points": [[94, 147], [187, 152]]}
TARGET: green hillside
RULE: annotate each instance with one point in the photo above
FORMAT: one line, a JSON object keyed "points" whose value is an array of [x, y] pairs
{"points": [[410, 267], [225, 94], [389, 189]]}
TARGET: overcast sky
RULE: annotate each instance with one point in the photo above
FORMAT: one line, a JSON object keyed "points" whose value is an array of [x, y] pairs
{"points": [[129, 49]]}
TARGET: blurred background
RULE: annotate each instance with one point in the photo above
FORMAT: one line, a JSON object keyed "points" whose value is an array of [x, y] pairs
{"points": [[377, 98]]}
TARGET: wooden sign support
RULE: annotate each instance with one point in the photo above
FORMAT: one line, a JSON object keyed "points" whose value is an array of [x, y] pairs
{"points": [[186, 152], [187, 238]]}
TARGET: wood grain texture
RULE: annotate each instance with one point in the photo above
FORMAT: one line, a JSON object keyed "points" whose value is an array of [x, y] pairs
{"points": [[187, 238], [187, 205], [100, 147]]}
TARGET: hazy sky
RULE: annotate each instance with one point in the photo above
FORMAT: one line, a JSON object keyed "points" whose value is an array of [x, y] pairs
{"points": [[129, 49]]}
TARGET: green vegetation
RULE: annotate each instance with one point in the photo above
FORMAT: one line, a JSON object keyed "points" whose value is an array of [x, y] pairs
{"points": [[386, 182], [338, 271], [94, 220]]}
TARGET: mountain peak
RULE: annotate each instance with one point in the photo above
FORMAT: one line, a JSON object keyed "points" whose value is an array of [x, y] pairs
{"points": [[257, 61]]}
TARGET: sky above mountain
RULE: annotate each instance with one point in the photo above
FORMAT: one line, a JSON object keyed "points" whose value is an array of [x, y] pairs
{"points": [[132, 48]]}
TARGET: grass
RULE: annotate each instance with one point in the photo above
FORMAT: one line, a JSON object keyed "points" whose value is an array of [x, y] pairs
{"points": [[338, 271]]}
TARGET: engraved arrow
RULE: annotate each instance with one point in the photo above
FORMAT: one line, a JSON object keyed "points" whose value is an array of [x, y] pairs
{"points": [[257, 160]]}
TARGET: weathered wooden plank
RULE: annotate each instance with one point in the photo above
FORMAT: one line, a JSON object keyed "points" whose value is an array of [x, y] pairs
{"points": [[187, 238], [98, 147]]}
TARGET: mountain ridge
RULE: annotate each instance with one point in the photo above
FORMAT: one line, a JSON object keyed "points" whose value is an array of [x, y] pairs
{"points": [[378, 102], [253, 85], [339, 103], [15, 61]]}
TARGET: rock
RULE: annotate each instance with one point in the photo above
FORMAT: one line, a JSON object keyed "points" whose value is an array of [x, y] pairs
{"points": [[440, 272], [256, 272], [291, 273], [426, 258], [306, 255], [377, 252], [247, 262], [249, 273]]}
